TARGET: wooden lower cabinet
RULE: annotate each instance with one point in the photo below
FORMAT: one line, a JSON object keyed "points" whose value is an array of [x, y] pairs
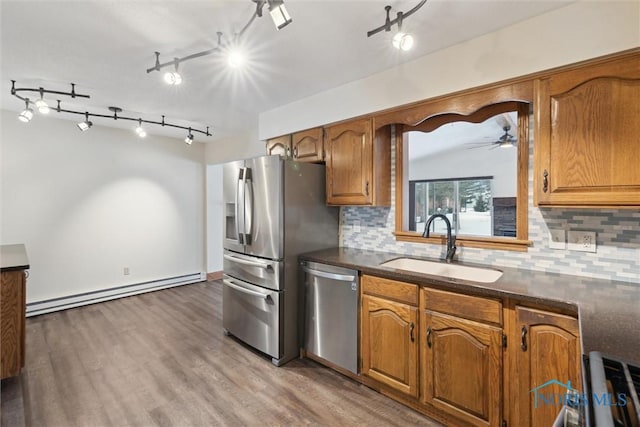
{"points": [[461, 366], [389, 346], [12, 322], [466, 360], [546, 352]]}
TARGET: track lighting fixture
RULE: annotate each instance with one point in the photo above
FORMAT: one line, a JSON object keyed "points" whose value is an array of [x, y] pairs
{"points": [[173, 78], [279, 15], [27, 114], [41, 104], [86, 124], [189, 138], [401, 40], [140, 130]]}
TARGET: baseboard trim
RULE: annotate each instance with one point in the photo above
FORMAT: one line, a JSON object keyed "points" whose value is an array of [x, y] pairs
{"points": [[86, 298], [214, 275]]}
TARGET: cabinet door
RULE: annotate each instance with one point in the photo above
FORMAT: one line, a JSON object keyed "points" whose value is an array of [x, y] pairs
{"points": [[279, 146], [307, 146], [12, 322], [588, 134], [546, 351], [462, 368], [349, 158], [389, 343]]}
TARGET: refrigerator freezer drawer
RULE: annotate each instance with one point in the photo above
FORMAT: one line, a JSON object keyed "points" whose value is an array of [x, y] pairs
{"points": [[257, 271], [252, 314]]}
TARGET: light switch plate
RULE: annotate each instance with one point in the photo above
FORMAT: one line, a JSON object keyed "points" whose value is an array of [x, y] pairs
{"points": [[557, 239], [584, 241], [356, 226]]}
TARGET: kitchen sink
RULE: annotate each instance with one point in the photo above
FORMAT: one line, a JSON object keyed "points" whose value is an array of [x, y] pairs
{"points": [[455, 271]]}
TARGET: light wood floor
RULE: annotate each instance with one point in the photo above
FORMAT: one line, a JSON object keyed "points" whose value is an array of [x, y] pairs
{"points": [[161, 359]]}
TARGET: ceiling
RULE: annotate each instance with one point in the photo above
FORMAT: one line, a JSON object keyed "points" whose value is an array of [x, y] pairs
{"points": [[105, 48]]}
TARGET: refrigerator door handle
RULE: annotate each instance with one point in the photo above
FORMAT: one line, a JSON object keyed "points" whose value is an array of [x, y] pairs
{"points": [[239, 197], [327, 275], [247, 262], [245, 290], [248, 213]]}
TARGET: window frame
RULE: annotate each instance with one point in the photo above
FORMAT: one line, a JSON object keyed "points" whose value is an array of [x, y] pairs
{"points": [[454, 108]]}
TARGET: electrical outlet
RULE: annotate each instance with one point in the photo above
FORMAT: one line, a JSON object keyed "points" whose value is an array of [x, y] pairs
{"points": [[356, 226], [127, 271], [584, 241], [557, 239]]}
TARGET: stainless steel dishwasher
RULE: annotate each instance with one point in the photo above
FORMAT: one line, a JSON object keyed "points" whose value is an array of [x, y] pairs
{"points": [[331, 315]]}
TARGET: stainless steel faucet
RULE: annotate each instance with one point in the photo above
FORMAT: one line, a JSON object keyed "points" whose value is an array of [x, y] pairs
{"points": [[451, 239]]}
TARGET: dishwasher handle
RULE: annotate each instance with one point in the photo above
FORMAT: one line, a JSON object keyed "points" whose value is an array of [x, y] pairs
{"points": [[327, 275]]}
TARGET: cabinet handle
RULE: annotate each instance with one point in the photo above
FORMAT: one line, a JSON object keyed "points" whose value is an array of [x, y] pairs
{"points": [[523, 338], [411, 327], [366, 188], [429, 337], [545, 181], [295, 153]]}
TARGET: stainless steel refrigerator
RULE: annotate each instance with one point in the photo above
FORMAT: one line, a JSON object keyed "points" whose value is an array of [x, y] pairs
{"points": [[275, 209]]}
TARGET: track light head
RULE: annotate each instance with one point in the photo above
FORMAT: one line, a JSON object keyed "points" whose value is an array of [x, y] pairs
{"points": [[86, 124], [189, 138], [27, 114], [236, 58], [402, 41], [42, 106], [173, 78], [140, 130], [279, 14]]}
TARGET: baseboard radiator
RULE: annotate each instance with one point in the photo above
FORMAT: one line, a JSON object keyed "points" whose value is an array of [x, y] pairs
{"points": [[56, 304]]}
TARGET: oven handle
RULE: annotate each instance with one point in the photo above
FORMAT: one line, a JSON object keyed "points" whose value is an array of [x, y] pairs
{"points": [[245, 290], [326, 275], [247, 262]]}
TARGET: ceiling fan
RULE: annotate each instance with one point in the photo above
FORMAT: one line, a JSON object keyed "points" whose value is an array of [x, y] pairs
{"points": [[505, 140]]}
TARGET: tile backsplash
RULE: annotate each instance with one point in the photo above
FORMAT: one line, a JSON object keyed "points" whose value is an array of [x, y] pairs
{"points": [[617, 256]]}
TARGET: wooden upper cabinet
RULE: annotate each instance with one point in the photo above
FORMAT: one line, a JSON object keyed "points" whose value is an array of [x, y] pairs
{"points": [[587, 137], [308, 146], [280, 146], [462, 368], [358, 164], [546, 355]]}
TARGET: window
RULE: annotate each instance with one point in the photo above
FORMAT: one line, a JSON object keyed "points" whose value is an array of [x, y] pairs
{"points": [[465, 201], [472, 168]]}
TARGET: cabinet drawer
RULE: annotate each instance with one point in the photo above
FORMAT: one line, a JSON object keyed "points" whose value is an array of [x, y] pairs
{"points": [[466, 306], [392, 289]]}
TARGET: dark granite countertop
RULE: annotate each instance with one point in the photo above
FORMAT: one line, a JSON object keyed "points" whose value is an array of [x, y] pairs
{"points": [[609, 311], [13, 257]]}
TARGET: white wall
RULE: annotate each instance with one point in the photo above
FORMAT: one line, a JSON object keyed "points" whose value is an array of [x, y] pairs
{"points": [[88, 204], [579, 31], [215, 207], [501, 163], [241, 146]]}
